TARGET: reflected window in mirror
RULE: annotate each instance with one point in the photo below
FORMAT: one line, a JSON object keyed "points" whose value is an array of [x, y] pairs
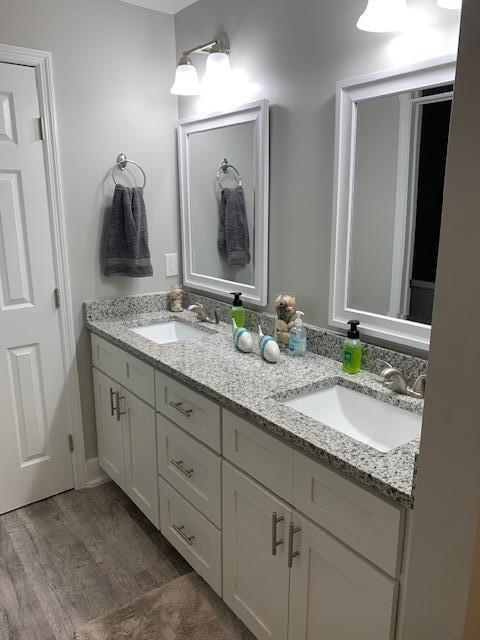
{"points": [[400, 159]]}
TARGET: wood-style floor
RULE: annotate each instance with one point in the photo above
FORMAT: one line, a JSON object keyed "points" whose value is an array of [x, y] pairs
{"points": [[73, 557]]}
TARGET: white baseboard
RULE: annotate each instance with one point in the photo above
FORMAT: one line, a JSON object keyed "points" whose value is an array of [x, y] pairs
{"points": [[95, 476]]}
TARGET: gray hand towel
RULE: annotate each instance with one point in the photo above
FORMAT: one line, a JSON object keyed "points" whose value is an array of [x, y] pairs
{"points": [[126, 251], [233, 237]]}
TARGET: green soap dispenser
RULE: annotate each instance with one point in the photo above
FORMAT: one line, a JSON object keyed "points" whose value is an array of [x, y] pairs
{"points": [[352, 349], [237, 311]]}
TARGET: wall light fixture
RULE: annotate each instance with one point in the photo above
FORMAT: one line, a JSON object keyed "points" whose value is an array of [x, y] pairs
{"points": [[217, 68], [384, 16]]}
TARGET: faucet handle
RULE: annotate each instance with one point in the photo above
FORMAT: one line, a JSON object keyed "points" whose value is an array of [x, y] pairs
{"points": [[385, 364], [420, 384]]}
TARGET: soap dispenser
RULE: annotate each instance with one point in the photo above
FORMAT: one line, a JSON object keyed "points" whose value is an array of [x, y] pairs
{"points": [[352, 349], [237, 311], [297, 343]]}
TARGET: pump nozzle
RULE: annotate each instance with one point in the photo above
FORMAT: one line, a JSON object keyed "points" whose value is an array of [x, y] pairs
{"points": [[353, 332], [236, 299], [298, 319]]}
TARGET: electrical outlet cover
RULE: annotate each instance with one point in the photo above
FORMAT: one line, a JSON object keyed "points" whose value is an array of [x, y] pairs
{"points": [[171, 264]]}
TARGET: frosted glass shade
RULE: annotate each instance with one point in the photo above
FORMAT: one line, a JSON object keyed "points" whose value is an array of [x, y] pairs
{"points": [[450, 4], [217, 70], [186, 81], [384, 16]]}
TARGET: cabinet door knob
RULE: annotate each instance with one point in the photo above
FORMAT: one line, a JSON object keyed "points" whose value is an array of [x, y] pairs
{"points": [[292, 530], [275, 543]]}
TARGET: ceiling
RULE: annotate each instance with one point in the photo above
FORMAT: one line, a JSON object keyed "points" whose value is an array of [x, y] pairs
{"points": [[165, 6]]}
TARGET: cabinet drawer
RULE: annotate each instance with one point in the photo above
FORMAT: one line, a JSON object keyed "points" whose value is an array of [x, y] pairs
{"points": [[367, 523], [199, 542], [106, 357], [190, 467], [132, 373], [194, 413], [138, 377], [262, 456]]}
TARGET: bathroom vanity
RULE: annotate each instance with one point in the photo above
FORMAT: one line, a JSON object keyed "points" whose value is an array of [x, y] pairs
{"points": [[297, 526]]}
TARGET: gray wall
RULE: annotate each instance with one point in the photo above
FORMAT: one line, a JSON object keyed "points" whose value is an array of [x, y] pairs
{"points": [[375, 191], [295, 52], [113, 66]]}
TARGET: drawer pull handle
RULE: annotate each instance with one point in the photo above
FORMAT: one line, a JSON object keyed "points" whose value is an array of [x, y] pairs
{"points": [[275, 543], [119, 413], [178, 407], [178, 464], [291, 553], [188, 539], [112, 406]]}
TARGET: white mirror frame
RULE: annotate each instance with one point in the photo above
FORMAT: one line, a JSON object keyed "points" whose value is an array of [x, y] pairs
{"points": [[257, 112], [349, 93]]}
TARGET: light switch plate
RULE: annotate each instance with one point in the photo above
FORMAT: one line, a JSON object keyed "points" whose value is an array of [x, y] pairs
{"points": [[171, 264]]}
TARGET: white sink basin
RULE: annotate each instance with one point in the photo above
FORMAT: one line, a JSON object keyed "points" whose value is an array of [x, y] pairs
{"points": [[168, 332], [375, 423]]}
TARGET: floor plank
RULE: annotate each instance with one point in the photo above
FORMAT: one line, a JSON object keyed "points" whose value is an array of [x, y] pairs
{"points": [[76, 556]]}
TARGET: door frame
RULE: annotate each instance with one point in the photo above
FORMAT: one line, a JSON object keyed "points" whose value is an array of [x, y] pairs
{"points": [[42, 63]]}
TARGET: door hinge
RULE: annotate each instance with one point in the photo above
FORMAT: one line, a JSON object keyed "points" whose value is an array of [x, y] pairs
{"points": [[70, 442], [41, 130], [56, 297]]}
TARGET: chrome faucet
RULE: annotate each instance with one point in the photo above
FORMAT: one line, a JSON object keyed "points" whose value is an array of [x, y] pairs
{"points": [[202, 315], [394, 380]]}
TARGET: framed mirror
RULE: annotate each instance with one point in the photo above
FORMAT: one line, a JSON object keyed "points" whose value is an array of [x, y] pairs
{"points": [[391, 146], [224, 172]]}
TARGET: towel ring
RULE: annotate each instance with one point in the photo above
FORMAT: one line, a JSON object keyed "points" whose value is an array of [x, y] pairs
{"points": [[121, 164], [223, 168]]}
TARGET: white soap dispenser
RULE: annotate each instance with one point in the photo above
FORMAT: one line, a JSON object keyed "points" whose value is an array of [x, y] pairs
{"points": [[297, 343]]}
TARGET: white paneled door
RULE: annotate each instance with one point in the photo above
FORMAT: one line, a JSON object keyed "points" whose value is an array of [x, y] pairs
{"points": [[35, 460]]}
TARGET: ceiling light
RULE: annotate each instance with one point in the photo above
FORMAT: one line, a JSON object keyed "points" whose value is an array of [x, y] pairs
{"points": [[383, 16], [186, 79], [450, 4]]}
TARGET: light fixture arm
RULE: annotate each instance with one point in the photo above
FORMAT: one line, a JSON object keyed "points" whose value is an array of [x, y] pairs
{"points": [[220, 44]]}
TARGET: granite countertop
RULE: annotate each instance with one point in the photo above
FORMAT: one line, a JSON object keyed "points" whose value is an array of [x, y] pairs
{"points": [[251, 387]]}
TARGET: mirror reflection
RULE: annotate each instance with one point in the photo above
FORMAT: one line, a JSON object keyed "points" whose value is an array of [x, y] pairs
{"points": [[222, 202], [399, 169]]}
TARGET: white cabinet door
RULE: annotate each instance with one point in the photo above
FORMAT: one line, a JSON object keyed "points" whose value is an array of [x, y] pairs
{"points": [[140, 444], [334, 594], [109, 427], [255, 582]]}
